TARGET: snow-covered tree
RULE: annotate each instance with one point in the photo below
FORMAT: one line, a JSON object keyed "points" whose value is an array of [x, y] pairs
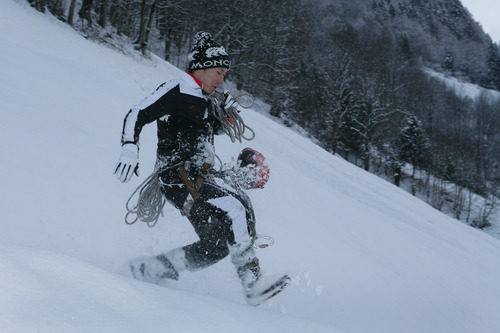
{"points": [[492, 78], [414, 147]]}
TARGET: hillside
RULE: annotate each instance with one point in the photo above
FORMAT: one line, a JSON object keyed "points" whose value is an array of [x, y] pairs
{"points": [[365, 255], [442, 32]]}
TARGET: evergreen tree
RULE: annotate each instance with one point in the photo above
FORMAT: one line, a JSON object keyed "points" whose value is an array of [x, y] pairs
{"points": [[492, 79], [308, 102], [414, 146]]}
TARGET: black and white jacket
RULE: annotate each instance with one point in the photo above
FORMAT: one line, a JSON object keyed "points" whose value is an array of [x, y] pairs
{"points": [[186, 127]]}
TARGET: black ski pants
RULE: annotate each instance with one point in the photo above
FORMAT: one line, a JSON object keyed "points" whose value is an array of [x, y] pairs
{"points": [[220, 218]]}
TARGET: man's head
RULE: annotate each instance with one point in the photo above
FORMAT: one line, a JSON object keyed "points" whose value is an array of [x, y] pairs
{"points": [[208, 61]]}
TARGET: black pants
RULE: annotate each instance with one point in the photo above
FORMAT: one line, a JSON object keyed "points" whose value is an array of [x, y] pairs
{"points": [[220, 218]]}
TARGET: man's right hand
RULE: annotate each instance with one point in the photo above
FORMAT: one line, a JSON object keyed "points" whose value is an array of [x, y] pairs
{"points": [[128, 163], [229, 101]]}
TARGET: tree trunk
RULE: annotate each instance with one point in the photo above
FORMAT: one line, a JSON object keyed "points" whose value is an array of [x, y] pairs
{"points": [[85, 11], [168, 44], [57, 9], [397, 175], [366, 163], [71, 12], [142, 24], [103, 13], [147, 30]]}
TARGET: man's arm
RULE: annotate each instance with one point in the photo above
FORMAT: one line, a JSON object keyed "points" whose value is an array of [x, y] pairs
{"points": [[150, 109]]}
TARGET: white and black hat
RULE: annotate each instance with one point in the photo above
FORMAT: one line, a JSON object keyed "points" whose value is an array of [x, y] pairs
{"points": [[206, 53]]}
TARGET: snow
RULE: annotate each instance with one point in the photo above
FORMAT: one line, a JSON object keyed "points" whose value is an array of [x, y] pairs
{"points": [[365, 256], [462, 88]]}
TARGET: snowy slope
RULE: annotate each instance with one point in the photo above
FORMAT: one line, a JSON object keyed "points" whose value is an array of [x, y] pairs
{"points": [[365, 255], [462, 88]]}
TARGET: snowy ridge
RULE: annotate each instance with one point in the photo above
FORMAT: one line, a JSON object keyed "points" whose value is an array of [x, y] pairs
{"points": [[461, 88], [364, 255]]}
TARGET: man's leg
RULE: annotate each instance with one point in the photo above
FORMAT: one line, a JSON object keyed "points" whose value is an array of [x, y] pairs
{"points": [[219, 218], [239, 213], [225, 224], [214, 229]]}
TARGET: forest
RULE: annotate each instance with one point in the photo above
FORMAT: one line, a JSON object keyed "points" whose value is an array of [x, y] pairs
{"points": [[350, 74]]}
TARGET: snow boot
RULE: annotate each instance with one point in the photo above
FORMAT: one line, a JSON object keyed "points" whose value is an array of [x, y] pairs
{"points": [[160, 267], [257, 287], [153, 269]]}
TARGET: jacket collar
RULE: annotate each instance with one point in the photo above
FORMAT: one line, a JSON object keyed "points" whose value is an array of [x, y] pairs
{"points": [[200, 84]]}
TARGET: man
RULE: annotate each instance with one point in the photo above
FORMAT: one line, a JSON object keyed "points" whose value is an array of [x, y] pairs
{"points": [[222, 219]]}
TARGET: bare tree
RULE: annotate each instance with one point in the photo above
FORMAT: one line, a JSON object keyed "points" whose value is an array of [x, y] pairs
{"points": [[71, 12]]}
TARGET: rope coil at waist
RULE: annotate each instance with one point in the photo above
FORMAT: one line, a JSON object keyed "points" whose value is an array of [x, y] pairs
{"points": [[149, 204]]}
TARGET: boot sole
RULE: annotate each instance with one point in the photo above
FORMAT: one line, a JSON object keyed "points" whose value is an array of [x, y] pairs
{"points": [[273, 290]]}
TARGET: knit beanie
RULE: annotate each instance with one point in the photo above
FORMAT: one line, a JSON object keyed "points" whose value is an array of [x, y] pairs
{"points": [[206, 53]]}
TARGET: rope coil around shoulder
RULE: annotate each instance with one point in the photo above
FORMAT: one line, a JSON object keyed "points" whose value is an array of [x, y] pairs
{"points": [[232, 123]]}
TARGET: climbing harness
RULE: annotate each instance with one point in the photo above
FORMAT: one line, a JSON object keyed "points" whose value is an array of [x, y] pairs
{"points": [[193, 187]]}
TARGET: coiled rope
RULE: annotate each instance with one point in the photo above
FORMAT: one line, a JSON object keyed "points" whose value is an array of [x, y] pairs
{"points": [[149, 204], [229, 118]]}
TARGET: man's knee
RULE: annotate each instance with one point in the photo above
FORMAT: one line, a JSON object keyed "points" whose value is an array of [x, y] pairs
{"points": [[235, 214]]}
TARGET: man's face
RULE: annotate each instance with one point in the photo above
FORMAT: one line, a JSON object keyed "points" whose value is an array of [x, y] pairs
{"points": [[211, 78]]}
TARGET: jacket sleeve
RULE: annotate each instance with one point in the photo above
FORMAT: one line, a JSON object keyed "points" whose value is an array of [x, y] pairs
{"points": [[153, 107]]}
